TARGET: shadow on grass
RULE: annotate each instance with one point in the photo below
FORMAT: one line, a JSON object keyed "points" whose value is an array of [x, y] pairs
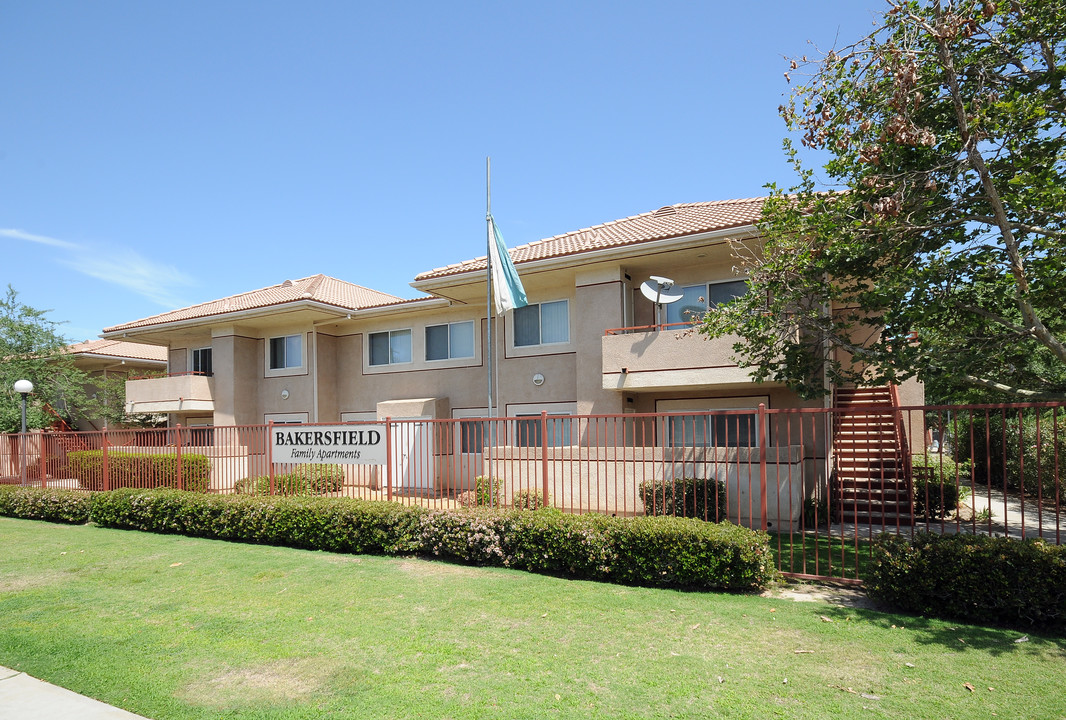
{"points": [[958, 637]]}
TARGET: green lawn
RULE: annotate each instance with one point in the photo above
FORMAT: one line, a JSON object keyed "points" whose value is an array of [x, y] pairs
{"points": [[173, 627], [848, 558]]}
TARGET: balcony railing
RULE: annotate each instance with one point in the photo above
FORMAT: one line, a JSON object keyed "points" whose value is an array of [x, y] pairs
{"points": [[661, 357], [175, 393]]}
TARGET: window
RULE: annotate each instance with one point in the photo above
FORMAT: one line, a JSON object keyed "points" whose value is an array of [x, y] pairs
{"points": [[713, 431], [286, 352], [701, 427], [201, 361], [698, 299], [449, 342], [390, 348], [528, 431], [542, 324], [472, 435]]}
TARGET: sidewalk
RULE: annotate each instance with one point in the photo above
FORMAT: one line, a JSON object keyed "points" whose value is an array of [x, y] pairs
{"points": [[25, 698]]}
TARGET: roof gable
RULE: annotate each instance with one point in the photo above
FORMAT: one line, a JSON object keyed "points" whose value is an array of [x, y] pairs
{"points": [[317, 288]]}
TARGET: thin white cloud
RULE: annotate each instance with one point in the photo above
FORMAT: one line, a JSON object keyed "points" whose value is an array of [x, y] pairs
{"points": [[159, 283], [117, 266], [16, 234]]}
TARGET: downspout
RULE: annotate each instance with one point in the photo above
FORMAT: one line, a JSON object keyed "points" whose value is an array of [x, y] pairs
{"points": [[314, 361]]}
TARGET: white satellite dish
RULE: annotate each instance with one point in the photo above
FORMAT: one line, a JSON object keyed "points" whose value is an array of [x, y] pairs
{"points": [[653, 290]]}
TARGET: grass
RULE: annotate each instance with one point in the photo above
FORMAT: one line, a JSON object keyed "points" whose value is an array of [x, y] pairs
{"points": [[847, 558], [174, 627]]}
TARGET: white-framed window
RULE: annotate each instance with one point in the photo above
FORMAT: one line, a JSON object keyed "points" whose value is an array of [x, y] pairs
{"points": [[200, 361], [473, 429], [285, 353], [529, 431], [545, 323], [391, 347], [696, 300], [450, 341], [696, 428]]}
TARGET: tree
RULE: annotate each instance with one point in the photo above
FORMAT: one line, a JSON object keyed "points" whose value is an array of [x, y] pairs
{"points": [[933, 247], [31, 348], [112, 402]]}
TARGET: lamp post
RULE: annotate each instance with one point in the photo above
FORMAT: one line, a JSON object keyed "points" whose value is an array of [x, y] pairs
{"points": [[23, 388]]}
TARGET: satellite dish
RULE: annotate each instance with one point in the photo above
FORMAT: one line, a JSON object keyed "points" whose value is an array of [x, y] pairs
{"points": [[653, 290]]}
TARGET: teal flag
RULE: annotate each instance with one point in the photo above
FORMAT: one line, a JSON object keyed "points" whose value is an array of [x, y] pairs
{"points": [[507, 287]]}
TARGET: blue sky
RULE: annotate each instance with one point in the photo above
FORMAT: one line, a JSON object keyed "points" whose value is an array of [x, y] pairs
{"points": [[155, 155]]}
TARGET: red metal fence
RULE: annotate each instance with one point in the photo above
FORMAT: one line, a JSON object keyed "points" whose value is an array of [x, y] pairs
{"points": [[823, 482]]}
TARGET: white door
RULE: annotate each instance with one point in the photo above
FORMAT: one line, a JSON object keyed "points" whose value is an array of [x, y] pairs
{"points": [[412, 454]]}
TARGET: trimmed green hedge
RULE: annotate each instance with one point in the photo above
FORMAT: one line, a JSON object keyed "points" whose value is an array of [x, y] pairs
{"points": [[304, 480], [666, 552], [684, 497], [142, 470], [936, 486], [975, 578], [62, 506]]}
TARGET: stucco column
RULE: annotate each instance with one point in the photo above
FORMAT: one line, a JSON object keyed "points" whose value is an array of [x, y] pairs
{"points": [[598, 307]]}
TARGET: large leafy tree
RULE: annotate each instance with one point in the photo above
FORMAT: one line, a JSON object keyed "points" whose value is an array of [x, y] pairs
{"points": [[931, 241], [31, 348]]}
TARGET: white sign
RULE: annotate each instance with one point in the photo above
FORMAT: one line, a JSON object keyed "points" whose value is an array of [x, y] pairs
{"points": [[341, 444]]}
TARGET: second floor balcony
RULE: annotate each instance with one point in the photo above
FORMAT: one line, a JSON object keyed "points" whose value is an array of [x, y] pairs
{"points": [[666, 357], [179, 393]]}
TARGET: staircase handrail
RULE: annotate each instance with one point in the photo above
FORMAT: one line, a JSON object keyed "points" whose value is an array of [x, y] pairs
{"points": [[904, 445]]}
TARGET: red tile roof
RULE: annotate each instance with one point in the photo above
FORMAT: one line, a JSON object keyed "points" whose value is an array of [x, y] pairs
{"points": [[317, 288], [667, 222], [119, 349]]}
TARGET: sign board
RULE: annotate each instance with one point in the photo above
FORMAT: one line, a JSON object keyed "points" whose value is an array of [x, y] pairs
{"points": [[340, 444]]}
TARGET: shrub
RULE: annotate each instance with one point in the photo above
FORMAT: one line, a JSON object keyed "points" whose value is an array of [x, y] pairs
{"points": [[528, 500], [486, 493], [64, 506], [145, 470], [689, 497], [935, 485], [650, 551], [815, 512], [668, 552], [304, 480], [1005, 450], [333, 524], [975, 578]]}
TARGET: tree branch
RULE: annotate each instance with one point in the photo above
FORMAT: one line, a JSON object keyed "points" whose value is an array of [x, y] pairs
{"points": [[1012, 390]]}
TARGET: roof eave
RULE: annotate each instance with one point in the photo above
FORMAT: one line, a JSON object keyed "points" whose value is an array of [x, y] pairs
{"points": [[124, 331], [582, 256]]}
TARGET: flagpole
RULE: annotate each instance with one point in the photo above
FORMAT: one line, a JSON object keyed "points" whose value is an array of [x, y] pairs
{"points": [[491, 348]]}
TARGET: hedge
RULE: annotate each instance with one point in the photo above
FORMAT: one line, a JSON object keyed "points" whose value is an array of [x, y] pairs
{"points": [[974, 578], [936, 485], [664, 552], [1005, 450], [304, 480], [61, 506], [685, 497], [144, 470]]}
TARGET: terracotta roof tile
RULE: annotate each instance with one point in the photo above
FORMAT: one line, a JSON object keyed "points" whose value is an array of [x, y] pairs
{"points": [[317, 288], [666, 222], [119, 349]]}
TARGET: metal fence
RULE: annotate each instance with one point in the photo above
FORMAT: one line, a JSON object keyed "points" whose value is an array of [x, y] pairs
{"points": [[823, 482]]}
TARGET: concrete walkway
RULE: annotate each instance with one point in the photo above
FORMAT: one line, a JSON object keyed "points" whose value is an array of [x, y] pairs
{"points": [[26, 698]]}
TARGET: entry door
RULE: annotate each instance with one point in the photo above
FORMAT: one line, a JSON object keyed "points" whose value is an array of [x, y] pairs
{"points": [[412, 455]]}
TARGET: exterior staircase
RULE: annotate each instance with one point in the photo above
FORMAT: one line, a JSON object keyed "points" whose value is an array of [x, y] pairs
{"points": [[871, 465]]}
